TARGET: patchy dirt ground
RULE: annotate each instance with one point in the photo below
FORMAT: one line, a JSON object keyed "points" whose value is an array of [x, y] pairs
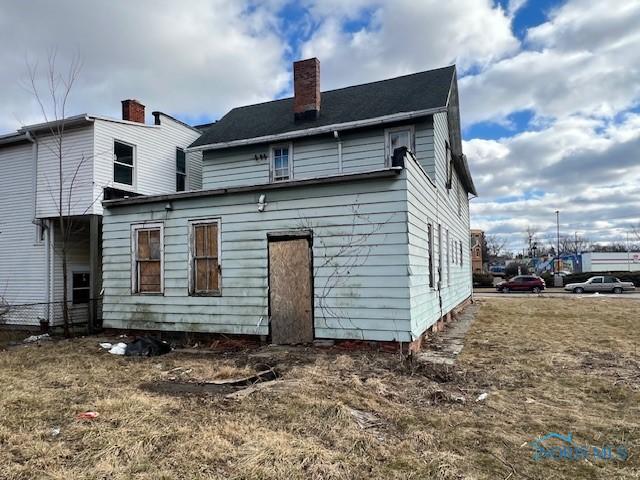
{"points": [[548, 365]]}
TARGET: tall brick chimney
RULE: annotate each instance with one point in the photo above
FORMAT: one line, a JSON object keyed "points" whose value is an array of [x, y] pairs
{"points": [[133, 111], [306, 88]]}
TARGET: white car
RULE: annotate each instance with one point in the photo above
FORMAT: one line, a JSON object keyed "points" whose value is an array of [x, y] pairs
{"points": [[600, 284]]}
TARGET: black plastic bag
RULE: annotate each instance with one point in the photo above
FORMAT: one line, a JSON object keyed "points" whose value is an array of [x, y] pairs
{"points": [[147, 347]]}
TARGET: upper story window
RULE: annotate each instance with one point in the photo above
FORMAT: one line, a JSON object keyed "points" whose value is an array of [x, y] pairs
{"points": [[123, 163], [181, 170], [398, 137], [281, 163]]}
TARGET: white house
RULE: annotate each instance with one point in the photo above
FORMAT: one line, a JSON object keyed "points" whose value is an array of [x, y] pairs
{"points": [[334, 215], [100, 158]]}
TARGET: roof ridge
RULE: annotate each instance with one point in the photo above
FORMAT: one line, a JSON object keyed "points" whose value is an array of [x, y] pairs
{"points": [[453, 65]]}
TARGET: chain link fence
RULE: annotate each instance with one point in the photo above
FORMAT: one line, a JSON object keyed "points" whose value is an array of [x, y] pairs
{"points": [[46, 316]]}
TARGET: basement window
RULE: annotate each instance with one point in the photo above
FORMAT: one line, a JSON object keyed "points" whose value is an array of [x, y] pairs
{"points": [[281, 163], [147, 259], [123, 163], [205, 271], [181, 170]]}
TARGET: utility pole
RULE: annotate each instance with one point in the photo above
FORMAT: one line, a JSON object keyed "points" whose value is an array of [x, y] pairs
{"points": [[556, 269]]}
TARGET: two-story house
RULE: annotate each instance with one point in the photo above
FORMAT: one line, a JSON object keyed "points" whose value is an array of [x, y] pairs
{"points": [[99, 158], [330, 215]]}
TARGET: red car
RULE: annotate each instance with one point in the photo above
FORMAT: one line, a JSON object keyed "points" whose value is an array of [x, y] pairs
{"points": [[522, 283]]}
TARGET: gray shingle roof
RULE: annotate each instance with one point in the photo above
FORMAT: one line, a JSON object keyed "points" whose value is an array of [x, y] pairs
{"points": [[409, 93]]}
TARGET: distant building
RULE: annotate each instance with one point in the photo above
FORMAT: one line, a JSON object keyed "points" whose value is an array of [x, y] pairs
{"points": [[611, 262], [477, 240]]}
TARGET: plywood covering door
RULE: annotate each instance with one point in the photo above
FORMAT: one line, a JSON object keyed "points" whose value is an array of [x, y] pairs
{"points": [[290, 288]]}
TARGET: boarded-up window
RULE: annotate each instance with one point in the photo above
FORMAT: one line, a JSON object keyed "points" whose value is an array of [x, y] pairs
{"points": [[148, 260], [205, 265]]}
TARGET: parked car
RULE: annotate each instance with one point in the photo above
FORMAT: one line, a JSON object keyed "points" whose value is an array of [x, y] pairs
{"points": [[522, 283], [600, 284]]}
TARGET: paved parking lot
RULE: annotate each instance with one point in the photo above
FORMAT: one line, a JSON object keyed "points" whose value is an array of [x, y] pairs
{"points": [[553, 293]]}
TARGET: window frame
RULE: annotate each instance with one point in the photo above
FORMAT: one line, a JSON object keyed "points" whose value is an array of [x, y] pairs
{"points": [[387, 140], [186, 170], [449, 167], [272, 158], [133, 166], [448, 258], [191, 268], [87, 288], [135, 228]]}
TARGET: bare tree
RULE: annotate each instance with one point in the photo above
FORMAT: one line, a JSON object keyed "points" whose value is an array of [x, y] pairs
{"points": [[52, 101], [574, 244], [495, 245]]}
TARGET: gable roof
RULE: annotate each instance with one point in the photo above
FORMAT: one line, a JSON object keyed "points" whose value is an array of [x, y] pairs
{"points": [[418, 92]]}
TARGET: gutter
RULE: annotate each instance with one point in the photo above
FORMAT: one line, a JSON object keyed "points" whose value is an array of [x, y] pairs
{"points": [[318, 130], [379, 173]]}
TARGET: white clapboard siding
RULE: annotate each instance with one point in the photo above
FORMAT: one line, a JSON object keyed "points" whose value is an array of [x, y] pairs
{"points": [[22, 257], [315, 156], [77, 172], [155, 152], [428, 203], [361, 291]]}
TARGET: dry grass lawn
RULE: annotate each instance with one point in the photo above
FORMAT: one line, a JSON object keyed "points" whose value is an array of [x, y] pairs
{"points": [[549, 365]]}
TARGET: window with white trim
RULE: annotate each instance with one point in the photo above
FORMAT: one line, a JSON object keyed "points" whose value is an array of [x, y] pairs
{"points": [[398, 137], [281, 163], [181, 170], [123, 163], [147, 264], [430, 253], [204, 264]]}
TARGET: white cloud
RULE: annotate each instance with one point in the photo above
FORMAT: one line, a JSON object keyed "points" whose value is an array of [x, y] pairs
{"points": [[196, 58], [406, 36], [582, 61]]}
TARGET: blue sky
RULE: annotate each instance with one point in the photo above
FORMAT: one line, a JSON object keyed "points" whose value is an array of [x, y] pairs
{"points": [[549, 90]]}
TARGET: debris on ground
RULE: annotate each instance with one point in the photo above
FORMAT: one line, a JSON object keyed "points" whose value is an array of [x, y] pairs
{"points": [[87, 416], [264, 376], [271, 386], [37, 338], [114, 349], [55, 431], [219, 387], [147, 347], [365, 420], [482, 397]]}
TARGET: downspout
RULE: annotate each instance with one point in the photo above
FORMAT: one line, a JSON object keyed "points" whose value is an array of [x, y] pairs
{"points": [[336, 135]]}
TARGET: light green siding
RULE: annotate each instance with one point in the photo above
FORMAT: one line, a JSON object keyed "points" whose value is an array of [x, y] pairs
{"points": [[430, 202], [360, 261]]}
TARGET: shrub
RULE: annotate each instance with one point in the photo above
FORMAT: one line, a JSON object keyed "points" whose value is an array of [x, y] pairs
{"points": [[512, 269], [482, 280], [548, 278]]}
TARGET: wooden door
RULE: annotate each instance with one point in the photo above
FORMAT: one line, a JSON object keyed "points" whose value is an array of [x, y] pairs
{"points": [[290, 291]]}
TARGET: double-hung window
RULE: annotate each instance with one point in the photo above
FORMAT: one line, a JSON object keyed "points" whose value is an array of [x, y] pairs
{"points": [[398, 137], [80, 288], [281, 163], [205, 270], [147, 258], [123, 163], [181, 170]]}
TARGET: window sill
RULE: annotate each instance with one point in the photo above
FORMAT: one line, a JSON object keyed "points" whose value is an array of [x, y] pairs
{"points": [[148, 294], [124, 186], [206, 294]]}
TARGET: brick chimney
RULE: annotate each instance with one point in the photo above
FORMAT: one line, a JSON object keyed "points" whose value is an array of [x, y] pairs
{"points": [[133, 111], [306, 88]]}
